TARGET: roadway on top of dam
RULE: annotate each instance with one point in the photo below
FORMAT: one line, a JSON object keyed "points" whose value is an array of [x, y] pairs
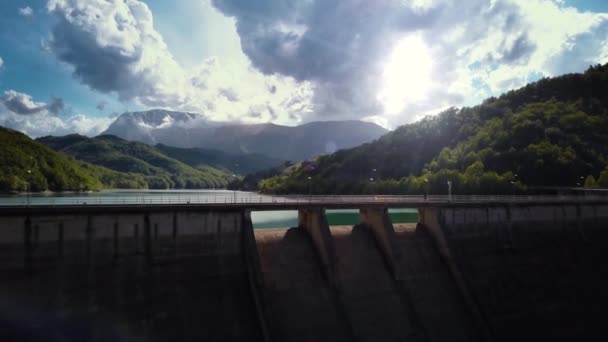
{"points": [[256, 202]]}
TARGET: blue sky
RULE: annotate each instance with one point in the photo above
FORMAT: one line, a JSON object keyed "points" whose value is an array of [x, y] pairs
{"points": [[28, 68], [73, 65], [598, 6]]}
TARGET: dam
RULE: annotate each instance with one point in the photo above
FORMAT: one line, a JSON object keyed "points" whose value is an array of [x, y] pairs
{"points": [[470, 270]]}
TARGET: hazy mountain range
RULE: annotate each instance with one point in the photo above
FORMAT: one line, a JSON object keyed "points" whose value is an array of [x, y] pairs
{"points": [[189, 130], [162, 149]]}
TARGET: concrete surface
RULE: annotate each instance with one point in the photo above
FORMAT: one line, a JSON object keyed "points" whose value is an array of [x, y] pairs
{"points": [[535, 273], [493, 272], [299, 300], [156, 277]]}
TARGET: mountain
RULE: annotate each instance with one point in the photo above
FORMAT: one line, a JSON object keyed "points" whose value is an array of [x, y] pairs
{"points": [[26, 165], [160, 170], [295, 143], [553, 132], [240, 164], [189, 130], [158, 126], [122, 155]]}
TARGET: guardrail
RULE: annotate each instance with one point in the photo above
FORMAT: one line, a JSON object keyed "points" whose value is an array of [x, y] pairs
{"points": [[242, 198]]}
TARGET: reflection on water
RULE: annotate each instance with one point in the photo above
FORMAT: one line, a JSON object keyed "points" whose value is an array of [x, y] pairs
{"points": [[347, 217]]}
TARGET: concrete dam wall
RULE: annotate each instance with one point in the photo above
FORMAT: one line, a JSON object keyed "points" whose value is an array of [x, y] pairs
{"points": [[523, 272], [177, 276], [532, 272]]}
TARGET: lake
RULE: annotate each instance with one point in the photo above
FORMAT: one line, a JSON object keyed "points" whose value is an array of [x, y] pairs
{"points": [[261, 219], [347, 217]]}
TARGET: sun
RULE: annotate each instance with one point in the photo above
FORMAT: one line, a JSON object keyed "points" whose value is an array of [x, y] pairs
{"points": [[407, 74]]}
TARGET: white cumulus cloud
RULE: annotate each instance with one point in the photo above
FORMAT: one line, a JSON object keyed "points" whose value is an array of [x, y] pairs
{"points": [[35, 118], [26, 11], [387, 61], [113, 47], [372, 58]]}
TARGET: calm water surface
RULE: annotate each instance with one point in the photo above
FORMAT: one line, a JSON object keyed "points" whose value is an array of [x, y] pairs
{"points": [[261, 219], [346, 217]]}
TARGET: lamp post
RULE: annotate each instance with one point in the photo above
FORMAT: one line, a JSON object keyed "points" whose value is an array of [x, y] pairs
{"points": [[309, 187], [373, 176], [427, 174], [513, 189], [234, 175], [27, 187], [449, 191], [234, 191]]}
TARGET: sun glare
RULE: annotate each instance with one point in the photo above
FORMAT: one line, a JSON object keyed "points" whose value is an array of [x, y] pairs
{"points": [[407, 74]]}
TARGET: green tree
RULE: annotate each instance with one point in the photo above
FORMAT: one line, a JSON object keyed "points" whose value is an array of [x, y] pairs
{"points": [[590, 182], [602, 181]]}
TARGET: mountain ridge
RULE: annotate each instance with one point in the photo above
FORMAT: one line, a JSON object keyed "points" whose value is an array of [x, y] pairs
{"points": [[276, 141], [27, 165], [162, 171], [500, 146]]}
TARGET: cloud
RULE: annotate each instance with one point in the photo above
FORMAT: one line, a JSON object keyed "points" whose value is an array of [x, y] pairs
{"points": [[26, 11], [526, 41], [518, 51], [343, 48], [337, 45], [87, 125], [113, 47], [43, 125], [20, 103], [476, 49], [23, 104], [21, 112], [506, 44], [56, 105], [101, 105], [1, 62], [234, 91], [229, 94], [387, 61]]}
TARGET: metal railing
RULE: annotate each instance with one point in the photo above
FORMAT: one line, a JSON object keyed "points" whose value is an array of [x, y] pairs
{"points": [[253, 198]]}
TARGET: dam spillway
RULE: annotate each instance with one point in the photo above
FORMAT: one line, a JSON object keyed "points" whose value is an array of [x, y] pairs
{"points": [[466, 272]]}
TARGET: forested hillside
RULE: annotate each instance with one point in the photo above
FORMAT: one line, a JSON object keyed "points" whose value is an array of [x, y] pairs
{"points": [[553, 132], [158, 170], [26, 165], [78, 163], [240, 164]]}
